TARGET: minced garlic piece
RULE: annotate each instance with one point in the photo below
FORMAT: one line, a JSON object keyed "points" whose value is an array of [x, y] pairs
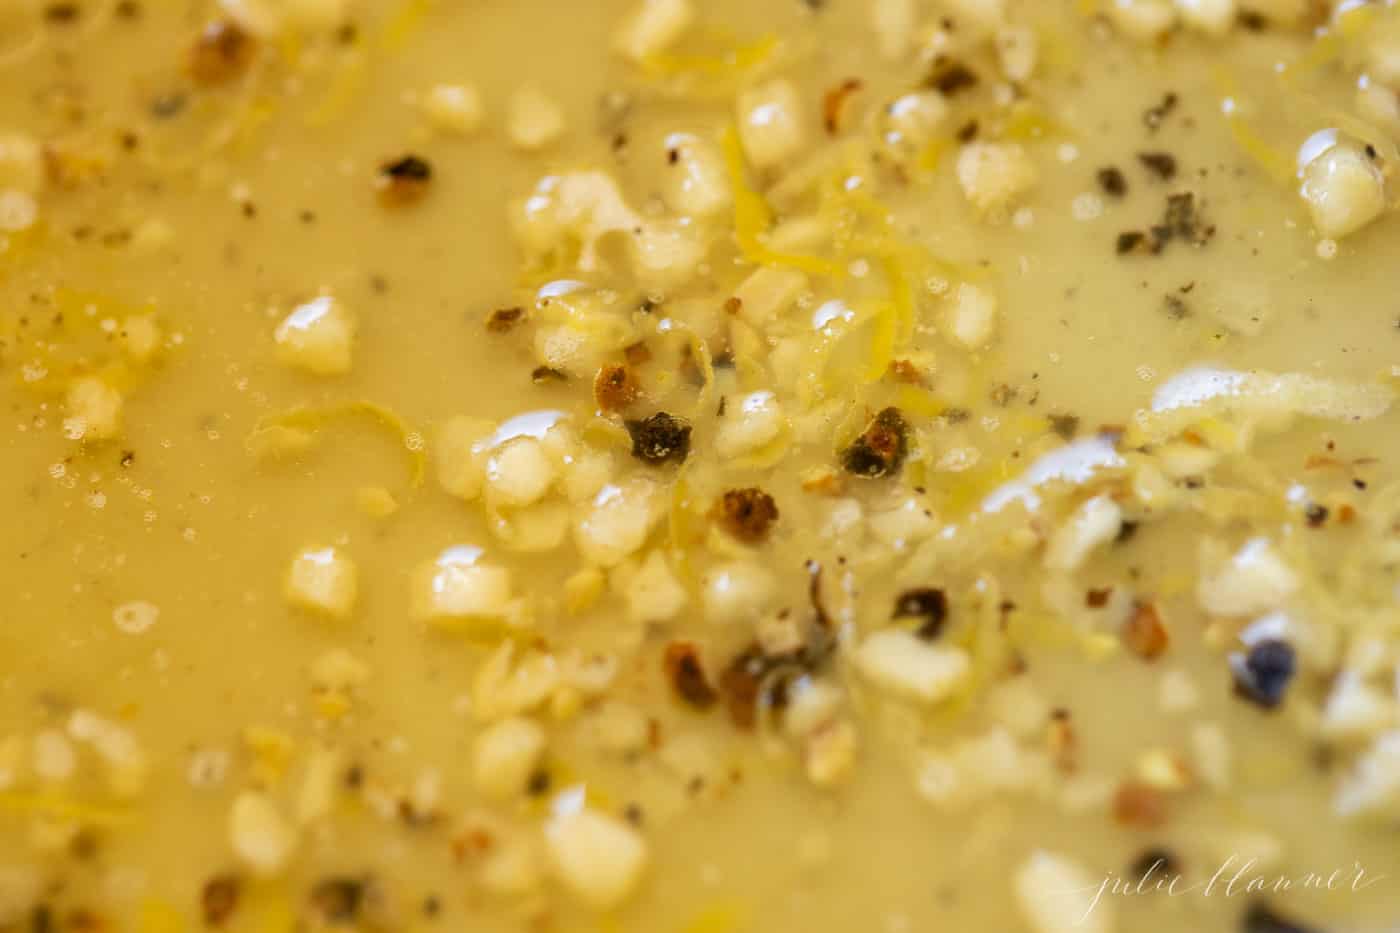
{"points": [[141, 337], [1253, 581], [270, 18], [338, 669], [1212, 17], [261, 838], [135, 617], [460, 455], [752, 422], [906, 665], [694, 182], [454, 108], [323, 580], [510, 685], [829, 753], [1143, 20], [318, 337], [1057, 895], [1344, 190], [597, 857], [894, 22], [970, 320], [1017, 52], [653, 593], [1094, 523], [21, 163], [54, 756], [376, 501], [1373, 786], [458, 590], [994, 176], [616, 523], [519, 473], [94, 410], [535, 119], [19, 210], [653, 27], [505, 754], [737, 591], [325, 769], [771, 127]]}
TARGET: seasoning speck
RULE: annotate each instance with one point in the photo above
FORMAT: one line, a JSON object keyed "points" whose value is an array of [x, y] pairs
{"points": [[926, 603], [659, 439], [881, 448], [1262, 675], [747, 514], [403, 180], [687, 676], [1160, 164], [135, 617], [1112, 181]]}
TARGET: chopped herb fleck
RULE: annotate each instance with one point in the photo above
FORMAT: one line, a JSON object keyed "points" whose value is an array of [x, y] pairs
{"points": [[1155, 116], [403, 180], [1067, 426], [543, 374], [1176, 307], [1160, 164], [1112, 181], [950, 77], [503, 320]]}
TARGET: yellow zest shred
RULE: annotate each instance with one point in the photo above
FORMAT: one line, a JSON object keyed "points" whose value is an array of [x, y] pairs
{"points": [[734, 61], [63, 807], [919, 402], [766, 456], [303, 422], [1351, 24], [350, 79], [753, 217], [1269, 159], [721, 917], [932, 155], [882, 341], [405, 22], [157, 916], [1028, 123], [679, 531], [700, 351], [277, 915]]}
